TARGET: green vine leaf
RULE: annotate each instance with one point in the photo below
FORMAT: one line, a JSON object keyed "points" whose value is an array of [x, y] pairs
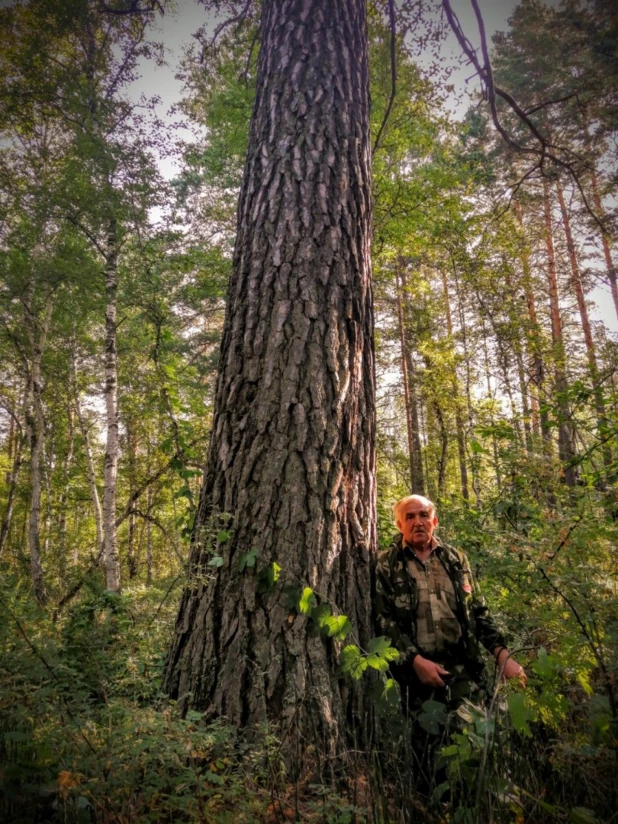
{"points": [[247, 560], [339, 627], [351, 662], [307, 601]]}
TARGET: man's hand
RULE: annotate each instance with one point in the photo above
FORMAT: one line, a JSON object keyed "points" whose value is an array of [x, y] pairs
{"points": [[509, 666], [429, 673]]}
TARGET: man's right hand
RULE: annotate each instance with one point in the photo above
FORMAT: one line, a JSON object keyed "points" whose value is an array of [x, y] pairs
{"points": [[428, 672]]}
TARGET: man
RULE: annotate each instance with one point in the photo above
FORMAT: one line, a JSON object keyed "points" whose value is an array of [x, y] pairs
{"points": [[427, 606]]}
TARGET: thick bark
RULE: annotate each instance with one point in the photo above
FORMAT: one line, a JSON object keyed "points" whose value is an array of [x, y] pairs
{"points": [[292, 449], [110, 551], [565, 439], [461, 438], [576, 283], [35, 420], [409, 385]]}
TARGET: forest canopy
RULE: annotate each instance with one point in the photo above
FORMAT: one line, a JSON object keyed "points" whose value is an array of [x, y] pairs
{"points": [[215, 386]]}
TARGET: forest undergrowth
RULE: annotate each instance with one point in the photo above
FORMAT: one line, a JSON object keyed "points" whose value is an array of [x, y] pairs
{"points": [[87, 735]]}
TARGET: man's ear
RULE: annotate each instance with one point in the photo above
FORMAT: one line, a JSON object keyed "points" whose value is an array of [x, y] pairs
{"points": [[399, 526], [435, 521]]}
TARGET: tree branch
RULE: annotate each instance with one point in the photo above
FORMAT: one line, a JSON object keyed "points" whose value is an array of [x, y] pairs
{"points": [[391, 14]]}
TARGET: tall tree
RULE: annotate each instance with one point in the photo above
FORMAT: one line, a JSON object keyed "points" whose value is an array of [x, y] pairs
{"points": [[291, 458]]}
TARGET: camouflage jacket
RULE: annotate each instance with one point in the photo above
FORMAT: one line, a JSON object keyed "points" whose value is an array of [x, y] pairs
{"points": [[397, 602]]}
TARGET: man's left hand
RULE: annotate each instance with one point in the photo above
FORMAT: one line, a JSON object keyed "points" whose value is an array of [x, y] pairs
{"points": [[509, 666]]}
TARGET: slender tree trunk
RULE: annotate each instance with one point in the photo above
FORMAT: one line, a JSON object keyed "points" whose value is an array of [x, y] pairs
{"points": [[490, 393], [19, 440], [476, 484], [132, 456], [408, 373], [66, 470], [598, 205], [534, 345], [517, 349], [576, 283], [149, 539], [565, 440], [461, 438], [406, 386], [292, 449], [35, 419], [110, 551], [92, 478]]}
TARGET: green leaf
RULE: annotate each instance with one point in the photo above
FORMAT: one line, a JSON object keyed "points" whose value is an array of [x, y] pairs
{"points": [[351, 662], [376, 662], [268, 577], [307, 601], [582, 815], [246, 560], [520, 713], [223, 536], [216, 561], [320, 614], [382, 646], [475, 447], [433, 716], [339, 627]]}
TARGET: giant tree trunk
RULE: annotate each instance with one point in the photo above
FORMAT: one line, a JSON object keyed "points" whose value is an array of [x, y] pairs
{"points": [[292, 449], [110, 551], [565, 439]]}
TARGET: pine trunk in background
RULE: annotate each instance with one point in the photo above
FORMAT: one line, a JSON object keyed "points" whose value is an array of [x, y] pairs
{"points": [[18, 442], [565, 439], [461, 438], [37, 332], [593, 367], [132, 553], [490, 395], [474, 462], [66, 470], [92, 478], [534, 346], [110, 550], [516, 346], [149, 538], [414, 439], [598, 205], [291, 457]]}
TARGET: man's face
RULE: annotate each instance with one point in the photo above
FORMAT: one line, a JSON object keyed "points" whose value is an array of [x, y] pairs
{"points": [[417, 524]]}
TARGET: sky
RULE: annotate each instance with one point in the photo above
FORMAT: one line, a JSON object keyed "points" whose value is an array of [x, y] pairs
{"points": [[176, 31]]}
